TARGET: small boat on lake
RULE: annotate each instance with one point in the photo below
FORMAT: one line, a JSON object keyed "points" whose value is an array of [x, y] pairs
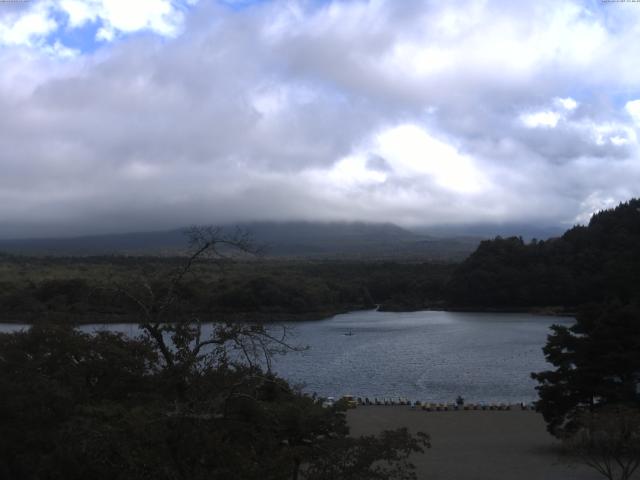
{"points": [[349, 333]]}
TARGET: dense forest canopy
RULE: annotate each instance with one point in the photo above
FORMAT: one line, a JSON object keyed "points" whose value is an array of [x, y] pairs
{"points": [[597, 262], [82, 289]]}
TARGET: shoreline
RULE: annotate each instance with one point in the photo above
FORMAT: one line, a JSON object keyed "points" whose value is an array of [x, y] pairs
{"points": [[131, 318], [265, 317], [544, 311]]}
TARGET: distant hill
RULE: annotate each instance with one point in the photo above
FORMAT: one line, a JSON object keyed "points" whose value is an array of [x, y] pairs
{"points": [[139, 242], [527, 231], [593, 263], [281, 239]]}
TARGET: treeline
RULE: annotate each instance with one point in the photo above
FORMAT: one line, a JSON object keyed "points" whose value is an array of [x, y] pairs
{"points": [[594, 263], [599, 262], [93, 289]]}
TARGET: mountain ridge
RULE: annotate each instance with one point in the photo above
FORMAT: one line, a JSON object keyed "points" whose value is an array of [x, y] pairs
{"points": [[281, 239]]}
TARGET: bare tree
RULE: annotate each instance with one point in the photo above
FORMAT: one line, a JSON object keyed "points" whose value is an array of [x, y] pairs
{"points": [[177, 332], [608, 441]]}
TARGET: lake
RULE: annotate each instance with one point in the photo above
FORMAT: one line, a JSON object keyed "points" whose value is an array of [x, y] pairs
{"points": [[429, 355]]}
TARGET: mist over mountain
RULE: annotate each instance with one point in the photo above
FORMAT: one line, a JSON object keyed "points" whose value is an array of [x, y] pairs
{"points": [[278, 239], [528, 231]]}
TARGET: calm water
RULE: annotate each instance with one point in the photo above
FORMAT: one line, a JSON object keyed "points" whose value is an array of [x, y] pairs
{"points": [[431, 356]]}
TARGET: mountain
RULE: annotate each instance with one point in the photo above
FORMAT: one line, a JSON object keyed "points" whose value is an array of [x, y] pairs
{"points": [[527, 231], [139, 242], [593, 263], [280, 239]]}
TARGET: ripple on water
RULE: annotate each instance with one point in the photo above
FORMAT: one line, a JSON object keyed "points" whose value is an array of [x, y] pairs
{"points": [[431, 356]]}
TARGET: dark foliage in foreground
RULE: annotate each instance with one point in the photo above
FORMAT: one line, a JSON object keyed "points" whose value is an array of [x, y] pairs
{"points": [[597, 365], [79, 406], [596, 263], [173, 403]]}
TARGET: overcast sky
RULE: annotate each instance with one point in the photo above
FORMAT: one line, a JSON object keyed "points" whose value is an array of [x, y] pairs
{"points": [[148, 114]]}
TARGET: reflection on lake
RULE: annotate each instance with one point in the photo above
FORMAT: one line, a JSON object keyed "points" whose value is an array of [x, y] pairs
{"points": [[432, 356]]}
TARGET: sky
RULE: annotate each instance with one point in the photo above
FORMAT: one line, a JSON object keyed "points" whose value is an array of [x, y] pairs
{"points": [[121, 116]]}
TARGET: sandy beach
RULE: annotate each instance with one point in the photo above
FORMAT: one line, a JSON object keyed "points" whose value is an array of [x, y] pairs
{"points": [[476, 445]]}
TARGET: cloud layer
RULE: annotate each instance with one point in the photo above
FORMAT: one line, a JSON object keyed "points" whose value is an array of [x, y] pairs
{"points": [[415, 112]]}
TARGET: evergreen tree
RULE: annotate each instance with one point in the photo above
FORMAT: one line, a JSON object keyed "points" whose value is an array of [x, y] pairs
{"points": [[597, 363]]}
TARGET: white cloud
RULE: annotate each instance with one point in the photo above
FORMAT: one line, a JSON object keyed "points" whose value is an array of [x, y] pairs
{"points": [[348, 174], [550, 118], [80, 11], [546, 118], [412, 152], [159, 16], [616, 133], [595, 202], [27, 28], [31, 25], [619, 140], [633, 109], [568, 103], [276, 111]]}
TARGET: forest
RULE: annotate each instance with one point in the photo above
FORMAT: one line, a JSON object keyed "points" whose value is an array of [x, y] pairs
{"points": [[599, 262], [89, 289]]}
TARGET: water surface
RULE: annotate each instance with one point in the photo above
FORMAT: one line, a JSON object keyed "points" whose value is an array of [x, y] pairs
{"points": [[429, 356]]}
